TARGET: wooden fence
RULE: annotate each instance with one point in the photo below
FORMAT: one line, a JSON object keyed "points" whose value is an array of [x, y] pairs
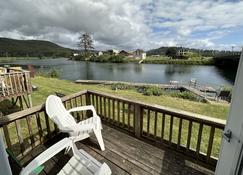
{"points": [[194, 135]]}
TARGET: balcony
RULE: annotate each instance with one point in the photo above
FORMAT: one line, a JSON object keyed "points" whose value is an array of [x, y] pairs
{"points": [[140, 138]]}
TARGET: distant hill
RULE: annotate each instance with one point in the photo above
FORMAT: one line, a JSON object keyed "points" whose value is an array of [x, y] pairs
{"points": [[208, 53], [32, 48], [158, 51]]}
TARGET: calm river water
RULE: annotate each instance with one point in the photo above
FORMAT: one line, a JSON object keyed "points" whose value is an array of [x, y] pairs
{"points": [[133, 72]]}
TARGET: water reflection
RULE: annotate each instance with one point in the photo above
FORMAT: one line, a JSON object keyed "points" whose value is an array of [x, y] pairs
{"points": [[228, 74], [138, 68], [178, 69], [89, 71], [133, 72]]}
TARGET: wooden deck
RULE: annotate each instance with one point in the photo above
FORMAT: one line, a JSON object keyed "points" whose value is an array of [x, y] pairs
{"points": [[125, 155], [179, 136]]}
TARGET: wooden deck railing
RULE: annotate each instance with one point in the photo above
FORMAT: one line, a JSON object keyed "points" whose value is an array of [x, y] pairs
{"points": [[194, 135], [15, 83]]}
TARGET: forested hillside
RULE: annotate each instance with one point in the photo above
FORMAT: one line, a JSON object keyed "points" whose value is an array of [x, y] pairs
{"points": [[32, 48]]}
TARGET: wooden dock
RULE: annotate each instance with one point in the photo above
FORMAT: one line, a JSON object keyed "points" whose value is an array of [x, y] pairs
{"points": [[200, 93]]}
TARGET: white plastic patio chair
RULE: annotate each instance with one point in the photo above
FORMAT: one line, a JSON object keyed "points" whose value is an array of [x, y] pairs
{"points": [[80, 163], [67, 124]]}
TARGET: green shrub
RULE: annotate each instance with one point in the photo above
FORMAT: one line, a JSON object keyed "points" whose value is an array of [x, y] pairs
{"points": [[108, 58], [179, 61], [185, 95], [141, 89], [188, 95], [101, 58], [148, 92], [117, 59], [203, 100], [156, 91], [226, 88], [120, 86], [42, 74], [53, 73]]}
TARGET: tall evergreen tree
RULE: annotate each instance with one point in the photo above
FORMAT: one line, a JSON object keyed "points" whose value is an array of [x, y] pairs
{"points": [[85, 42]]}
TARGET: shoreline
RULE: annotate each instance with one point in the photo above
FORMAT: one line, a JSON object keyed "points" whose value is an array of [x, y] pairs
{"points": [[11, 59], [207, 61], [156, 61]]}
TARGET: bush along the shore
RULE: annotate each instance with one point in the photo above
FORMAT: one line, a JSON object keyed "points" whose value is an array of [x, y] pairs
{"points": [[149, 91], [226, 88], [53, 73], [120, 86], [185, 95], [157, 91], [102, 58], [179, 61], [183, 60]]}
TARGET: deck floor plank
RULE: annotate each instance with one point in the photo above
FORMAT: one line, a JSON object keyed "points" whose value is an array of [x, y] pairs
{"points": [[121, 157], [112, 163], [125, 155], [148, 158]]}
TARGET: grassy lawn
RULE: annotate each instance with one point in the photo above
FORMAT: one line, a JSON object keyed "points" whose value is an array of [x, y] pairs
{"points": [[47, 86]]}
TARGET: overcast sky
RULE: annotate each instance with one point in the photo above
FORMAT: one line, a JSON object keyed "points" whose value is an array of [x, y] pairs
{"points": [[126, 24]]}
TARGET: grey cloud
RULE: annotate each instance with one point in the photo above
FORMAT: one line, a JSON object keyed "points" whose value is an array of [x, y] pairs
{"points": [[110, 22], [118, 23]]}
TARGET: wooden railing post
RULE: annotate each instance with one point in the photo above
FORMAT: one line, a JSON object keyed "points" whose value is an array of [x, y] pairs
{"points": [[88, 102], [138, 120]]}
